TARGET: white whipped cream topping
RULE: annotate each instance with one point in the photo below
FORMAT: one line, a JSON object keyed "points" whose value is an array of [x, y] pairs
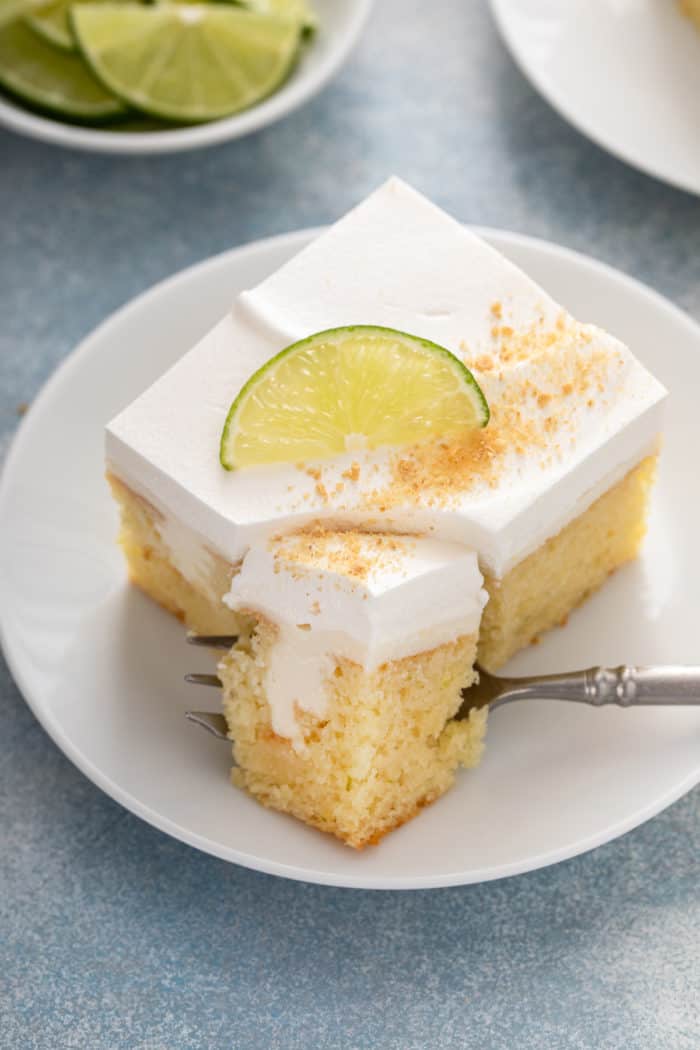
{"points": [[395, 260], [419, 594]]}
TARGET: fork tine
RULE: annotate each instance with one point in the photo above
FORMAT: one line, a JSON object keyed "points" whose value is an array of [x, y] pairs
{"points": [[213, 641], [483, 693], [213, 723], [204, 679]]}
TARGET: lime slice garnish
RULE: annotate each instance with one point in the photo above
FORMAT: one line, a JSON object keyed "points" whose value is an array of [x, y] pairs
{"points": [[52, 22], [50, 78], [186, 62], [350, 388]]}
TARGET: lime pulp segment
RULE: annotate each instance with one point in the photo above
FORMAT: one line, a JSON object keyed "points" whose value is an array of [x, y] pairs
{"points": [[186, 62], [50, 78], [349, 388]]}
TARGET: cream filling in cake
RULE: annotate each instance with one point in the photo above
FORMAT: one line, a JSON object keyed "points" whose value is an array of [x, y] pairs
{"points": [[370, 599], [573, 411]]}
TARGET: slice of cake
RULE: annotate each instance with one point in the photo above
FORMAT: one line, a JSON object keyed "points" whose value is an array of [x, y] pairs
{"points": [[551, 495], [341, 701]]}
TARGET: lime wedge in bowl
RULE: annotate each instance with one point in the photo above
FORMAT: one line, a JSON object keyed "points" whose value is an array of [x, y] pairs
{"points": [[186, 62], [51, 20], [347, 388], [52, 79]]}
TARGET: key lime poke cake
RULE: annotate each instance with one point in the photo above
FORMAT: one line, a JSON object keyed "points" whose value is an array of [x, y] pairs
{"points": [[394, 457]]}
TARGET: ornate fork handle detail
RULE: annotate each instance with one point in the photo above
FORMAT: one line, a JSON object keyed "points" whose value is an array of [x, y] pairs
{"points": [[606, 685], [599, 686]]}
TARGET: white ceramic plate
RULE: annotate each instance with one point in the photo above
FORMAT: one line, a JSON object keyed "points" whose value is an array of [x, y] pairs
{"points": [[340, 24], [102, 667], [624, 72]]}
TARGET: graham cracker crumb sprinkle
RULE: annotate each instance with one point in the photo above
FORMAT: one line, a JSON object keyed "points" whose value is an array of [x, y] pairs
{"points": [[538, 381], [439, 473], [527, 344], [347, 552]]}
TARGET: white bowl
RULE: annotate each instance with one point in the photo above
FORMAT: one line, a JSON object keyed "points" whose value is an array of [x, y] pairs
{"points": [[340, 24]]}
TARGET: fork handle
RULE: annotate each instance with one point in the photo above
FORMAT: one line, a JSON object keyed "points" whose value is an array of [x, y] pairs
{"points": [[624, 686]]}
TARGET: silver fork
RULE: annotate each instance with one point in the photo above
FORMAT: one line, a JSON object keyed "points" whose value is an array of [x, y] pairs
{"points": [[622, 686], [213, 723]]}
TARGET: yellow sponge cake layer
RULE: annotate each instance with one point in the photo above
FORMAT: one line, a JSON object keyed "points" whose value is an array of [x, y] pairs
{"points": [[541, 591], [385, 747], [197, 603]]}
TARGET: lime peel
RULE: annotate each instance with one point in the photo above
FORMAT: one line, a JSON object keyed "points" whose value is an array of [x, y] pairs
{"points": [[51, 78]]}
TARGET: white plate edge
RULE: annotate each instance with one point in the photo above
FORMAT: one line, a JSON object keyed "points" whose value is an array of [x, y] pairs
{"points": [[533, 77]]}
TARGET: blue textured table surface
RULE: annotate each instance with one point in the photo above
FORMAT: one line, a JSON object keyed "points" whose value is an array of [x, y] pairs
{"points": [[112, 935]]}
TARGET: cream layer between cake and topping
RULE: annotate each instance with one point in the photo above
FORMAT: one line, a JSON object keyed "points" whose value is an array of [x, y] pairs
{"points": [[367, 598], [572, 410]]}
